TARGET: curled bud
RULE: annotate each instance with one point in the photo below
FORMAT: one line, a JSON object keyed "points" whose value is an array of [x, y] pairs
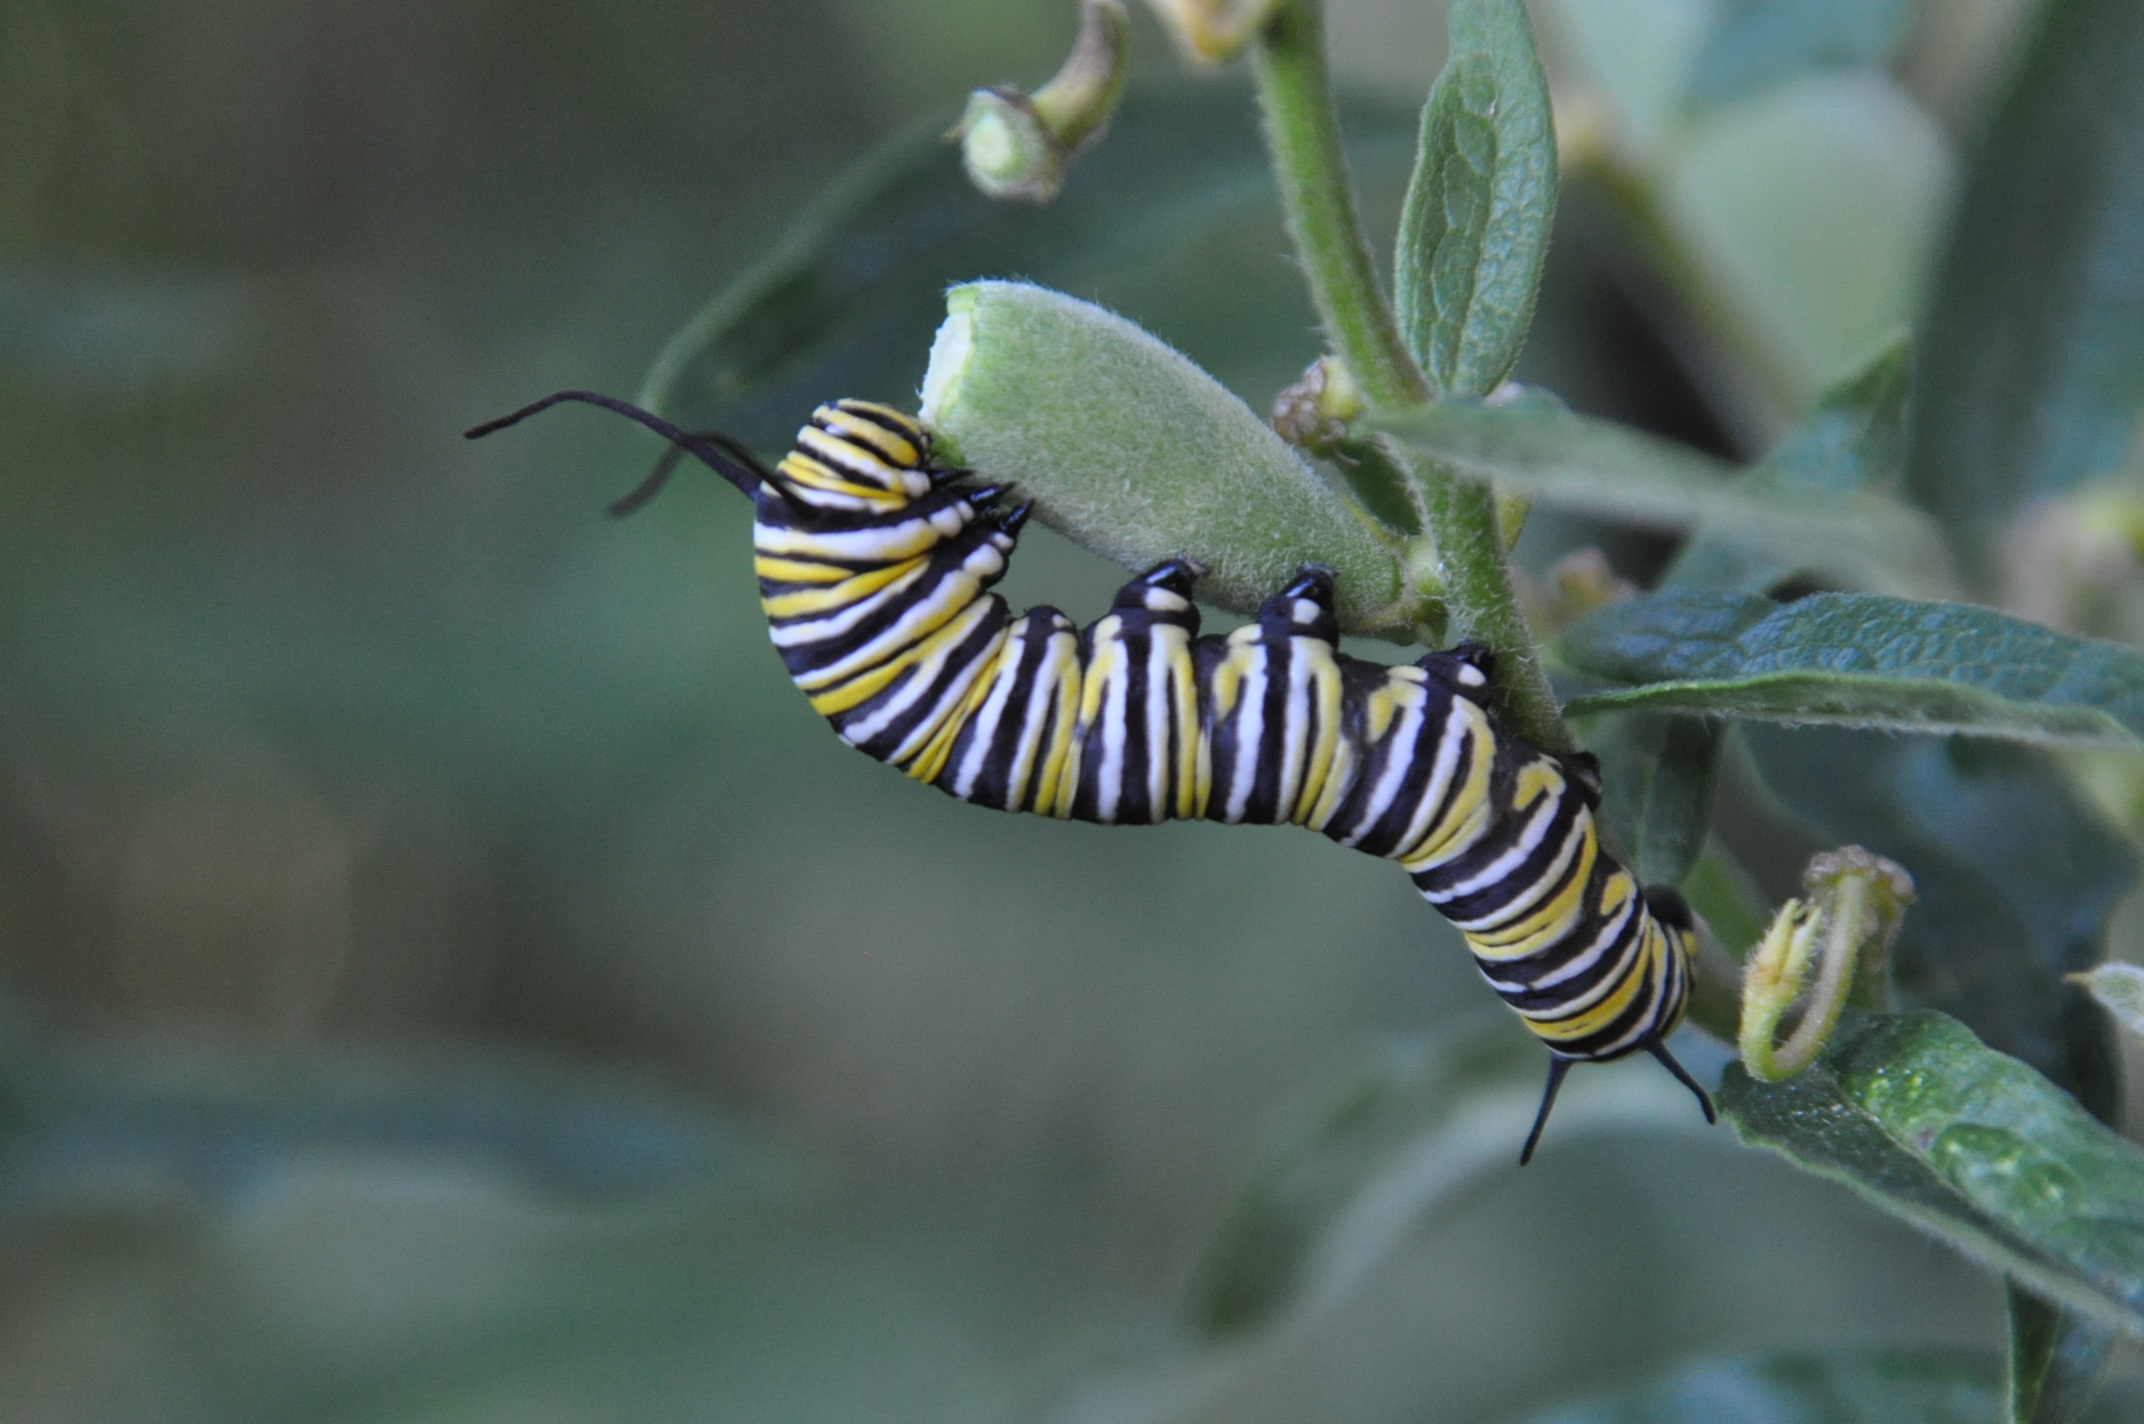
{"points": [[1018, 145], [1210, 31], [1315, 412], [1857, 901]]}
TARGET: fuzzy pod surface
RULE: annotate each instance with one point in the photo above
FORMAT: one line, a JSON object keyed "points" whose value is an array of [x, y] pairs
{"points": [[1130, 449]]}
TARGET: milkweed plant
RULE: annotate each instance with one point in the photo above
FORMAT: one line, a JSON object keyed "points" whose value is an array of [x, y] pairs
{"points": [[1878, 630]]}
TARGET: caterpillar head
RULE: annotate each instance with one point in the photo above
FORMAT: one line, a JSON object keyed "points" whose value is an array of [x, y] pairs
{"points": [[858, 456]]}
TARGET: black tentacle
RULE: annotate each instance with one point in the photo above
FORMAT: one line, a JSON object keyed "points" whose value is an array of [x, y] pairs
{"points": [[1659, 1050], [718, 452], [1558, 1065]]}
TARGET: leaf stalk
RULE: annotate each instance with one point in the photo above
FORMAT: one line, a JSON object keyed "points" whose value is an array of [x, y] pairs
{"points": [[1303, 133]]}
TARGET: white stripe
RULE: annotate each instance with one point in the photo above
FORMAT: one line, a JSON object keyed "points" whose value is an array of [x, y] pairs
{"points": [[1581, 827], [1399, 760], [1159, 705], [957, 688], [1610, 982], [848, 457], [1250, 730], [1112, 714], [794, 634], [984, 730], [1039, 695], [1457, 731], [1295, 742], [1529, 841], [1577, 964], [885, 545], [910, 688], [959, 587]]}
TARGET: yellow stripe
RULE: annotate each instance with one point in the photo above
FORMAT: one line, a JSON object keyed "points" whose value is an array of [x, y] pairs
{"points": [[1538, 778], [1379, 708], [1060, 768], [904, 453], [864, 686], [797, 571], [1337, 785], [1106, 656], [1469, 812], [1227, 685], [1604, 1012], [1545, 923], [959, 592], [848, 591], [1324, 693], [1183, 679], [801, 469], [930, 761]]}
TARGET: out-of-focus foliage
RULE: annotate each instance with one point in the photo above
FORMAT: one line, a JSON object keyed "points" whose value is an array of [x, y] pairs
{"points": [[452, 977], [2035, 333]]}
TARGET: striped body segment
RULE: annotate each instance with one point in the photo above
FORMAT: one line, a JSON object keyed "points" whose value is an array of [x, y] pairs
{"points": [[875, 567]]}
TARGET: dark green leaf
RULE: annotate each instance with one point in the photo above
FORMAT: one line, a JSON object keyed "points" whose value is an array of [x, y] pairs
{"points": [[1596, 467], [847, 303], [2057, 1357], [1757, 43], [2034, 372], [1843, 1387], [1853, 440], [1862, 660], [1922, 1119], [1721, 891], [1397, 1136], [1659, 774], [1475, 228]]}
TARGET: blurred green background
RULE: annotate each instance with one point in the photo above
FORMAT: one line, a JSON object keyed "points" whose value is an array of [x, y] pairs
{"points": [[451, 976]]}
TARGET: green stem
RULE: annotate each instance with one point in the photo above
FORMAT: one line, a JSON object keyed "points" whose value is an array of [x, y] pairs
{"points": [[1303, 131], [1485, 607]]}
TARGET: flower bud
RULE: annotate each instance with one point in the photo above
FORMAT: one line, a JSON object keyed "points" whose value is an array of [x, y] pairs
{"points": [[1129, 448], [1018, 145], [1210, 31]]}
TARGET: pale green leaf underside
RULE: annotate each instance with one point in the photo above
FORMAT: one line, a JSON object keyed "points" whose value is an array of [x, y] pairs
{"points": [[2119, 988], [1757, 43], [1925, 1121], [1612, 472], [1862, 660], [2057, 1359]]}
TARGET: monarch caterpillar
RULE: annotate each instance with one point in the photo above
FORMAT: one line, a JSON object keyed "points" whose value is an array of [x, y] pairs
{"points": [[875, 563]]}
